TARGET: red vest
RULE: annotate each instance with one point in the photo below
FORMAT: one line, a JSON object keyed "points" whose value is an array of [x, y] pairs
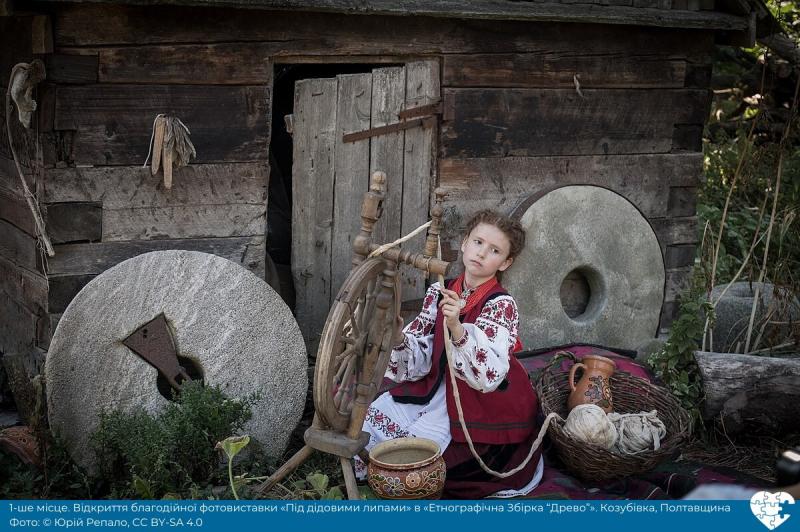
{"points": [[506, 415]]}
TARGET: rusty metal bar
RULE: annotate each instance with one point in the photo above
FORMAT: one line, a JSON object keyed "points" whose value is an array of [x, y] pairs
{"points": [[422, 110], [391, 128]]}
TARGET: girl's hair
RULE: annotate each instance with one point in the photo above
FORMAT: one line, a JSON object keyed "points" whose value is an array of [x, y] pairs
{"points": [[509, 226]]}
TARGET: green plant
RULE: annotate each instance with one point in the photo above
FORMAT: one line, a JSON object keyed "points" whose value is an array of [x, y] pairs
{"points": [[675, 364], [231, 447], [317, 486], [172, 453]]}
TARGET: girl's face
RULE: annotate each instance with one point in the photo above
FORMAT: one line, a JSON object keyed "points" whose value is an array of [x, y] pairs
{"points": [[485, 252]]}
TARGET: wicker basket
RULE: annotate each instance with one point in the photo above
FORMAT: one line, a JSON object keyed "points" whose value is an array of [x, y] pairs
{"points": [[631, 395]]}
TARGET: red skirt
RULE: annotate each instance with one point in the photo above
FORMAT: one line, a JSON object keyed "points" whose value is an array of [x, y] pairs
{"points": [[467, 480]]}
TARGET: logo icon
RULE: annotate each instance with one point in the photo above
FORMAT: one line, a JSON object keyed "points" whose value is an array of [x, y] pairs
{"points": [[767, 508]]}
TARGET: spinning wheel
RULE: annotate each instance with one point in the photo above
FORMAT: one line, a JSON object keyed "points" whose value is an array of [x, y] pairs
{"points": [[358, 329], [356, 342]]}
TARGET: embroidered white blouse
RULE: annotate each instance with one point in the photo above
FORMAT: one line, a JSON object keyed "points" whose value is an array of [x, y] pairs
{"points": [[481, 356]]}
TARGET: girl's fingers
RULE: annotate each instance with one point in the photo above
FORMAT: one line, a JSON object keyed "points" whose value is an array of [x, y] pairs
{"points": [[450, 310]]}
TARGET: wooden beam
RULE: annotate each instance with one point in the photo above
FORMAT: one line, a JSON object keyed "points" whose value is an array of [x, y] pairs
{"points": [[14, 209], [85, 259], [27, 288], [221, 64], [18, 247], [326, 34], [503, 183], [74, 222], [594, 69], [71, 68], [114, 122], [533, 122], [592, 12], [121, 187]]}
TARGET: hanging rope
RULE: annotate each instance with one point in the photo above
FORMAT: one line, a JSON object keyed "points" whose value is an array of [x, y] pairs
{"points": [[22, 81]]}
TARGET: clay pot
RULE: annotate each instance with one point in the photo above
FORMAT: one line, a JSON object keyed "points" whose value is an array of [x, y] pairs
{"points": [[594, 386], [406, 468]]}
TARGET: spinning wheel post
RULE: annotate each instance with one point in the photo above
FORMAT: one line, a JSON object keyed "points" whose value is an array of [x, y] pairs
{"points": [[356, 342]]}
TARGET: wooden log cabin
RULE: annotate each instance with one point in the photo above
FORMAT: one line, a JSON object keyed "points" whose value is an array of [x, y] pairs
{"points": [[509, 98]]}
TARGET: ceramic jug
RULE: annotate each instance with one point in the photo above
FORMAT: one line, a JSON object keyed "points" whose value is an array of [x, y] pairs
{"points": [[594, 386]]}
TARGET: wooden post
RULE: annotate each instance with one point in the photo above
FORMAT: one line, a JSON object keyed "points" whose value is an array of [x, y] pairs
{"points": [[371, 210], [293, 463], [349, 479], [435, 230]]}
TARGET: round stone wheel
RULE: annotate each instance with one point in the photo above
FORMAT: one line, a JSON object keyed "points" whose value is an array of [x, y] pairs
{"points": [[228, 322], [597, 239]]}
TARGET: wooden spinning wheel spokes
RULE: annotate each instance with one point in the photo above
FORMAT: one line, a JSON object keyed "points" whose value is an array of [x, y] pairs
{"points": [[356, 342]]}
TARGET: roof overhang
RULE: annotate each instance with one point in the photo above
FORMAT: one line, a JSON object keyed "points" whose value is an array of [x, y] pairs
{"points": [[589, 12]]}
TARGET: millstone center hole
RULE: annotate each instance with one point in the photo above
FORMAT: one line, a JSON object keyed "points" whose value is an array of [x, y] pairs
{"points": [[576, 292], [192, 367]]}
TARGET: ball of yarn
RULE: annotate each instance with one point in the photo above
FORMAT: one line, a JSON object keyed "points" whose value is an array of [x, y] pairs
{"points": [[589, 423], [638, 432]]}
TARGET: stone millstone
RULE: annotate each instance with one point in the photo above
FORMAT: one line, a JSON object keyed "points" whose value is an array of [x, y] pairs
{"points": [[228, 321], [776, 312], [604, 237]]}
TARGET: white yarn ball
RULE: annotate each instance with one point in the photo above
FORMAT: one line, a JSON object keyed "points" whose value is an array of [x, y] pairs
{"points": [[589, 423]]}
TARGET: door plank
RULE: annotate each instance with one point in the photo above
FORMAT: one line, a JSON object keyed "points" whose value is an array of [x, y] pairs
{"points": [[312, 203], [386, 151], [422, 88], [352, 172]]}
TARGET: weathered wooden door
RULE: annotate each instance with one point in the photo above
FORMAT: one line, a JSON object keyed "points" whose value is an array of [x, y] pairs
{"points": [[330, 176]]}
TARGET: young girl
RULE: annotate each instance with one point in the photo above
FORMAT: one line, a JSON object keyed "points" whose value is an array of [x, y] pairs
{"points": [[497, 398]]}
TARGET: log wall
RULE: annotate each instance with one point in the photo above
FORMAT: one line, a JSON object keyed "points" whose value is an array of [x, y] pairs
{"points": [[23, 287], [526, 106]]}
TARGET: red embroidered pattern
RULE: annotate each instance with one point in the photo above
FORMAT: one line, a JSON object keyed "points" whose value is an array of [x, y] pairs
{"points": [[461, 342], [500, 312], [421, 326], [386, 426], [475, 371]]}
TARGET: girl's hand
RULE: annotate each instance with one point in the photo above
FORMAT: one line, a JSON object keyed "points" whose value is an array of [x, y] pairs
{"points": [[450, 306], [397, 337]]}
